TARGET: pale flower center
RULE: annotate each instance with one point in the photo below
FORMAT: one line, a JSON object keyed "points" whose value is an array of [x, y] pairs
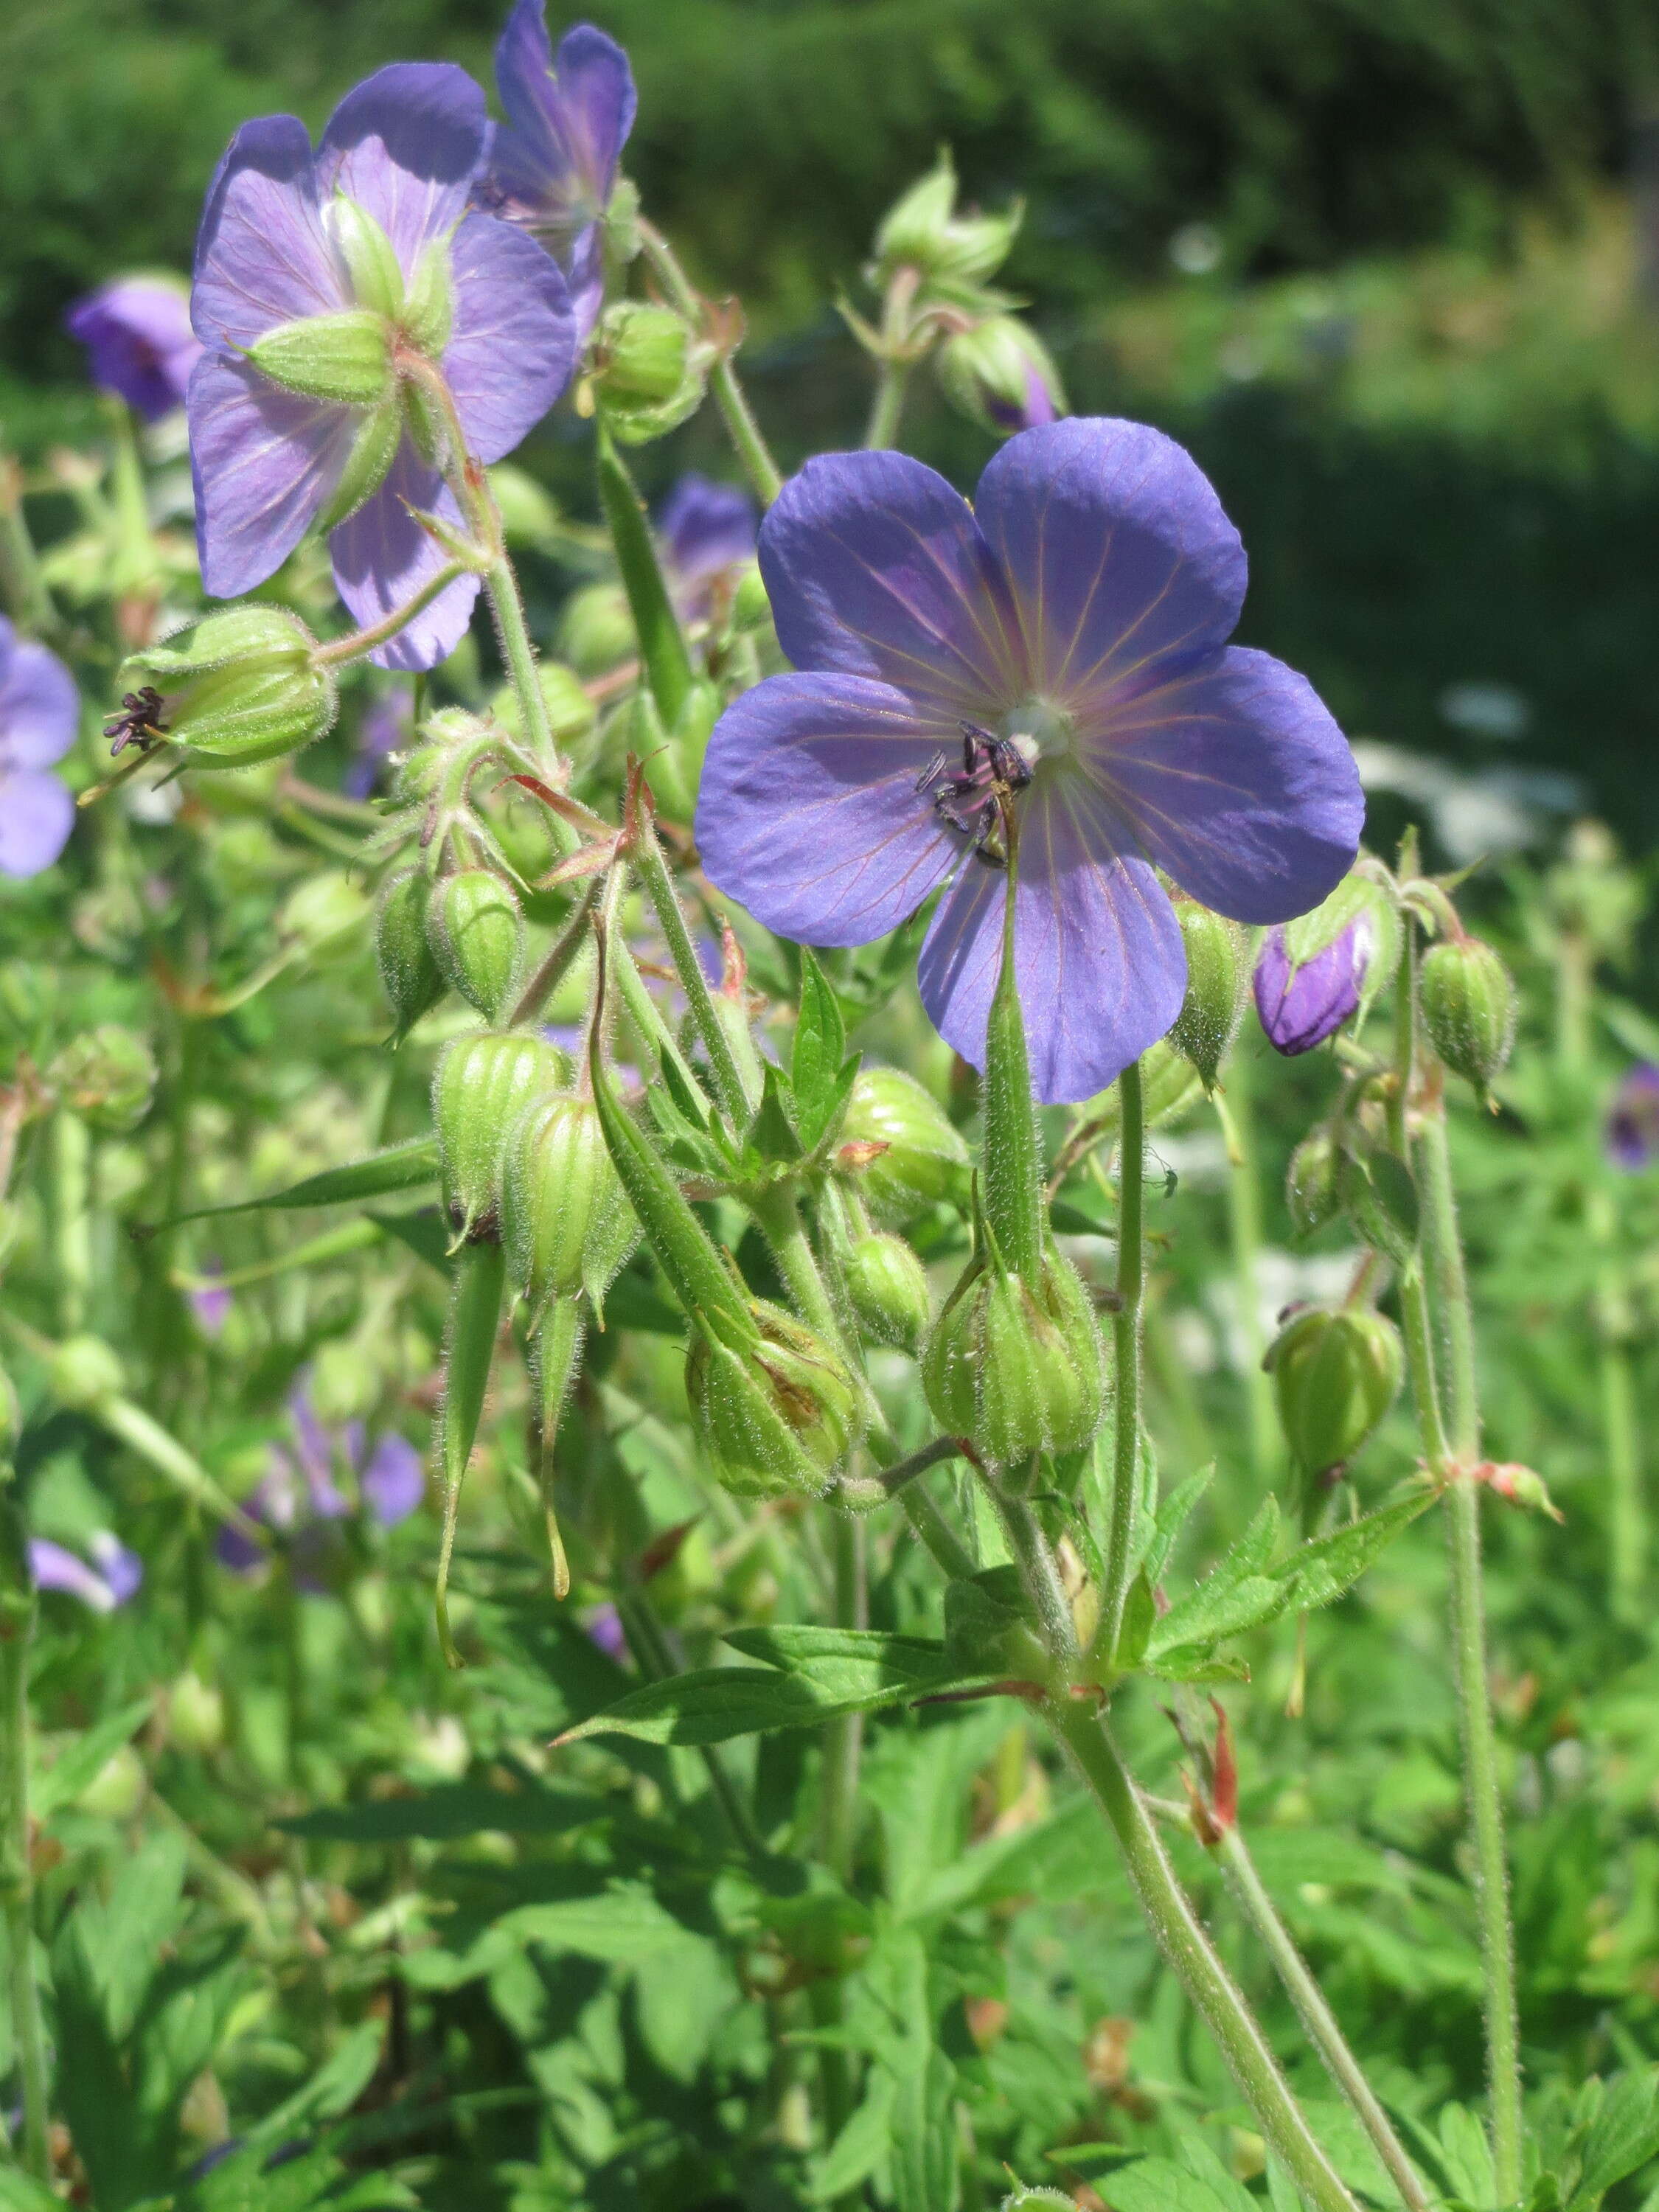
{"points": [[1039, 731]]}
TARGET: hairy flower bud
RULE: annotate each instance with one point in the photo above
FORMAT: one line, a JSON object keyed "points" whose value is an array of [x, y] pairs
{"points": [[476, 934], [648, 370], [888, 1287], [345, 357], [923, 1158], [565, 1217], [483, 1084], [778, 1417], [408, 969], [1468, 1003], [922, 230], [1335, 1375], [1000, 374], [84, 1373], [1313, 1190], [107, 1075], [1217, 962], [1016, 1369], [242, 686]]}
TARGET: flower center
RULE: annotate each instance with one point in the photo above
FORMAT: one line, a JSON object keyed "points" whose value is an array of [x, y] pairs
{"points": [[1038, 730]]}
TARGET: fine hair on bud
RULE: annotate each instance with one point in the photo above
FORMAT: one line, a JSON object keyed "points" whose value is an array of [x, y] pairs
{"points": [[482, 1085], [899, 1150], [1218, 972], [1468, 997], [476, 931]]}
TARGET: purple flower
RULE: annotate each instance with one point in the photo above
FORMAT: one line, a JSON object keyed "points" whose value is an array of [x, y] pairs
{"points": [[1301, 1007], [287, 236], [1633, 1130], [604, 1628], [38, 712], [1069, 634], [385, 727], [299, 1497], [706, 530], [552, 167], [116, 1576], [210, 1301], [137, 331], [393, 1484]]}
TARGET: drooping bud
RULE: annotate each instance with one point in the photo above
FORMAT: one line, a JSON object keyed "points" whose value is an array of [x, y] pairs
{"points": [[107, 1075], [1218, 961], [565, 1217], [483, 1084], [751, 608], [888, 1287], [1313, 1192], [1335, 1375], [777, 1416], [84, 1373], [476, 931], [1302, 1004], [922, 230], [1000, 374], [922, 1159], [1016, 1368], [1468, 1003], [242, 686], [1378, 1193], [195, 1716], [408, 969], [345, 357], [648, 370]]}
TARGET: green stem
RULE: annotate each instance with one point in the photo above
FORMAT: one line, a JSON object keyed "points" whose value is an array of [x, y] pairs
{"points": [[1244, 1233], [729, 394], [843, 1749], [577, 932], [896, 358], [1040, 1574], [17, 1609], [133, 1427], [22, 587], [881, 431], [652, 871], [1627, 1530], [339, 650], [777, 1212], [71, 1195], [949, 1552], [558, 1351], [501, 583], [1126, 1345]]}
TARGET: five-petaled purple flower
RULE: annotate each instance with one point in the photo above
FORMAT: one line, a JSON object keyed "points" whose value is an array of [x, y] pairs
{"points": [[116, 1575], [1301, 1007], [552, 166], [38, 712], [1068, 633], [299, 1497], [376, 222], [1633, 1130], [136, 331], [706, 530]]}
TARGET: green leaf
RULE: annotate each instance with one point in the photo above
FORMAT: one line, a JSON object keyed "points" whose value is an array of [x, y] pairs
{"points": [[74, 1770], [619, 1926], [820, 1035], [1172, 1518], [772, 1131], [1217, 1608], [855, 2154], [19, 2194], [1625, 2136], [399, 1167], [1319, 1571], [445, 1814], [1465, 2156], [1158, 2184]]}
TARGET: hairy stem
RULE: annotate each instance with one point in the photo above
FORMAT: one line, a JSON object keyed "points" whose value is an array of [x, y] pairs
{"points": [[652, 871], [360, 642], [729, 395], [1244, 1234], [1126, 1345]]}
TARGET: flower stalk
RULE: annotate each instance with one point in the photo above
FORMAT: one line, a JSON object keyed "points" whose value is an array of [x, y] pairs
{"points": [[1125, 1346], [17, 1612], [729, 398]]}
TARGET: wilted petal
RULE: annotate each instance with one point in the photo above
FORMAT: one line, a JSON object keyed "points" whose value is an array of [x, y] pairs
{"points": [[261, 255], [874, 568], [393, 1483], [36, 816], [809, 814], [1097, 950], [381, 556], [1237, 783], [1115, 551], [515, 334], [265, 461], [404, 145], [40, 706]]}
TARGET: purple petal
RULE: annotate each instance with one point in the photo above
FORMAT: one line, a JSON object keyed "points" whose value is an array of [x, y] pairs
{"points": [[40, 706], [382, 556], [705, 528], [136, 331], [514, 341], [265, 461], [874, 568], [211, 1304], [404, 145], [1633, 1131], [1115, 550], [604, 1628], [1299, 1010], [393, 1483], [261, 255], [809, 814], [36, 816], [1097, 950], [557, 164], [1235, 781], [53, 1568], [123, 1571]]}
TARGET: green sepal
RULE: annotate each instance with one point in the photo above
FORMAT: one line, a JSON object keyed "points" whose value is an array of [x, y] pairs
{"points": [[663, 649], [371, 261], [1012, 1185], [345, 357], [428, 312], [368, 465]]}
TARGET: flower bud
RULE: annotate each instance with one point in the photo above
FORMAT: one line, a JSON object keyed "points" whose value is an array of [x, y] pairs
{"points": [[1335, 1375], [1017, 1370], [482, 1084], [117, 1790], [1302, 1003], [922, 230], [84, 1373], [565, 1217], [241, 687], [1218, 960], [596, 630], [924, 1157], [528, 513], [1313, 1189], [476, 934], [751, 608], [570, 712], [888, 1287], [648, 370], [1468, 1006], [196, 1715], [999, 373], [777, 1417], [414, 981], [107, 1075], [324, 915], [345, 357]]}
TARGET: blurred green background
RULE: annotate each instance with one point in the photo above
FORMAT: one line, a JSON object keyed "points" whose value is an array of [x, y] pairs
{"points": [[1390, 267]]}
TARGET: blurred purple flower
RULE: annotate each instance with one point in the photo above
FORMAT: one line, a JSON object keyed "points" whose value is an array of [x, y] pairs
{"points": [[1300, 1007], [393, 1484], [116, 1575], [384, 728], [403, 148], [604, 1628], [551, 167], [298, 1497], [210, 1301], [1069, 632], [136, 331], [706, 530], [1633, 1130], [40, 710]]}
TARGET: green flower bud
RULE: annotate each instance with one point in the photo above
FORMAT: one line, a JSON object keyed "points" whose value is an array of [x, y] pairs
{"points": [[569, 710], [777, 1417], [107, 1075], [530, 514], [326, 915], [1000, 374], [117, 1790], [413, 980], [597, 630], [921, 1157], [241, 687], [345, 357], [565, 1217], [648, 370], [482, 1085], [1313, 1189], [752, 610], [371, 260], [1468, 1005], [888, 1287], [1016, 1369], [196, 1715], [84, 1373], [1218, 969], [1335, 1375], [476, 934], [922, 230], [345, 1382]]}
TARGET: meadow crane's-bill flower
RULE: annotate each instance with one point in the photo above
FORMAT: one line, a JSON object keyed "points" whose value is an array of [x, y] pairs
{"points": [[1065, 636], [38, 711], [328, 283], [705, 531], [1301, 1004], [139, 342]]}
